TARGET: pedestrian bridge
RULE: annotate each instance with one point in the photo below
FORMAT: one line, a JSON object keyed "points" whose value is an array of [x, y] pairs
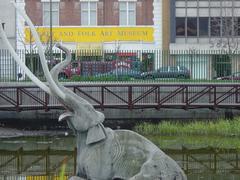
{"points": [[125, 95]]}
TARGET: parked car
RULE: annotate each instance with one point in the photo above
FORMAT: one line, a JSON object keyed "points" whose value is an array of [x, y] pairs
{"points": [[85, 68], [233, 76], [70, 70], [121, 72], [167, 72]]}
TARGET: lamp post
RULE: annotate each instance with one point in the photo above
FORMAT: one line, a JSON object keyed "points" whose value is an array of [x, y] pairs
{"points": [[51, 43]]}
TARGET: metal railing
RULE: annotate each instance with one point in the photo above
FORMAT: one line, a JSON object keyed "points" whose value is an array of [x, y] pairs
{"points": [[38, 162], [48, 162], [20, 97], [137, 65]]}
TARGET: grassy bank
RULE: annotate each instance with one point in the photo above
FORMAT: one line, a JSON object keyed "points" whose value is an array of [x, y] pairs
{"points": [[195, 142], [220, 127]]}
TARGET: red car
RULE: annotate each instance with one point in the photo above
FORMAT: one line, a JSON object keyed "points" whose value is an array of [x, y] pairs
{"points": [[69, 71], [91, 68], [85, 68]]}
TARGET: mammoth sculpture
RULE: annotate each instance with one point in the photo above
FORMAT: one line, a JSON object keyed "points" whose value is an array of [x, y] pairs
{"points": [[103, 154]]}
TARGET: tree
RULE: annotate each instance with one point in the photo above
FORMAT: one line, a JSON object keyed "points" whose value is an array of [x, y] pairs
{"points": [[224, 31], [30, 49]]}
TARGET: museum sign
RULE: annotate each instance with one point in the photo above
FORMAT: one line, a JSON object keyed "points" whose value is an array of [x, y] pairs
{"points": [[92, 34]]}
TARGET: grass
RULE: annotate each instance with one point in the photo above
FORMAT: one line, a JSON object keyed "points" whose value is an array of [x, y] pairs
{"points": [[127, 78], [208, 128], [78, 78], [195, 142], [62, 172]]}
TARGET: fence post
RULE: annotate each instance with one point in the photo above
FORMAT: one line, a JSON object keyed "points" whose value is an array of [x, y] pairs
{"points": [[186, 97], [130, 105], [158, 97], [185, 151], [187, 162], [215, 97], [237, 160], [19, 160], [18, 100], [75, 160], [183, 159], [236, 95], [47, 165], [215, 162], [46, 102], [102, 97]]}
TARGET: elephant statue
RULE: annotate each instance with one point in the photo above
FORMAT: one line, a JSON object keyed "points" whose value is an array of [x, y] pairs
{"points": [[124, 155], [102, 153]]}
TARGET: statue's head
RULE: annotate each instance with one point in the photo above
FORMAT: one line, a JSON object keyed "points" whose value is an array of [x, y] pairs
{"points": [[81, 115], [86, 124]]}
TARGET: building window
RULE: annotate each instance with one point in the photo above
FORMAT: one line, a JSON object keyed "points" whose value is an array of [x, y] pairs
{"points": [[127, 13], [46, 13], [215, 26], [227, 26], [237, 26], [207, 18], [203, 26], [180, 26], [191, 26], [89, 13]]}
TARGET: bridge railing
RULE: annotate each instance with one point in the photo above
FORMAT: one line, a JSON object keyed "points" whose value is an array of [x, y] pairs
{"points": [[14, 97], [130, 65]]}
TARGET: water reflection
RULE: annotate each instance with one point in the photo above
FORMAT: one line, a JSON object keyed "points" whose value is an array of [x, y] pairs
{"points": [[42, 158]]}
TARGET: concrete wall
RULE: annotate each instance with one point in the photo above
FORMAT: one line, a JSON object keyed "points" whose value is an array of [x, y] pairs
{"points": [[123, 114]]}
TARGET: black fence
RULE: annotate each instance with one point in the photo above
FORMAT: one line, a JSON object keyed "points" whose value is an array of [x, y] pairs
{"points": [[157, 65]]}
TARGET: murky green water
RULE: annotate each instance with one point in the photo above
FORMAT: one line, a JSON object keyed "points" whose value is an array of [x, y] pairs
{"points": [[202, 158]]}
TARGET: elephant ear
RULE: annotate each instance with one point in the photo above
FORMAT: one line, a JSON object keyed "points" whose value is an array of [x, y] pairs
{"points": [[96, 134]]}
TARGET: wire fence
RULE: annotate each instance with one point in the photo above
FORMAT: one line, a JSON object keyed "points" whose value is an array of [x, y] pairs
{"points": [[141, 65]]}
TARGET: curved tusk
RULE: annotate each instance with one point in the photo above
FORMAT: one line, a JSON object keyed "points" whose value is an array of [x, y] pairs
{"points": [[21, 64], [65, 116], [50, 80], [57, 68]]}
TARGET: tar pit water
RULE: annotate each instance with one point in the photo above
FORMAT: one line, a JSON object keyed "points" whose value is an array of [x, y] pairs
{"points": [[51, 155]]}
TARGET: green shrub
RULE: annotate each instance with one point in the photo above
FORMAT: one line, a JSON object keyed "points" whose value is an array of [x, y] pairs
{"points": [[103, 78]]}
